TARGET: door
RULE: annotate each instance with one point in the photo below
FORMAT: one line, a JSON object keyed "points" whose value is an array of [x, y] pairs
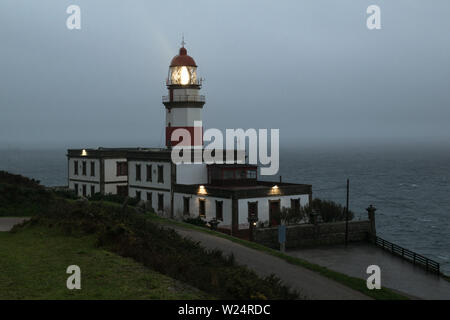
{"points": [[274, 212]]}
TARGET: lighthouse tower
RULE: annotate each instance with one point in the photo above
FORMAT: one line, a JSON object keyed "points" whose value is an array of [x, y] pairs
{"points": [[183, 103]]}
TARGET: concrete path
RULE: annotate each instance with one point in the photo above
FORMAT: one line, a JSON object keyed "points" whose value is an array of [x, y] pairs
{"points": [[310, 284], [396, 273], [6, 224]]}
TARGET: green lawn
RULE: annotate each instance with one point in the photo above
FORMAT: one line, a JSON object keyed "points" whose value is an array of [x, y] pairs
{"points": [[33, 263]]}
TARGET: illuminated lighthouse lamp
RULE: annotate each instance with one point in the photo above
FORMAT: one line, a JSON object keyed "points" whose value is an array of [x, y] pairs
{"points": [[183, 70]]}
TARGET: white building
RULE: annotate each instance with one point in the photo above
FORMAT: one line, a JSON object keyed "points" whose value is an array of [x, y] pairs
{"points": [[231, 193]]}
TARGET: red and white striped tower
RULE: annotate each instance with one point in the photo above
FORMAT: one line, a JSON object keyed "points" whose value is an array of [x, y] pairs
{"points": [[184, 103]]}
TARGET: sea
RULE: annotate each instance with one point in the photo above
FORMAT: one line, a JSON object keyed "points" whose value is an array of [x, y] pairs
{"points": [[409, 186]]}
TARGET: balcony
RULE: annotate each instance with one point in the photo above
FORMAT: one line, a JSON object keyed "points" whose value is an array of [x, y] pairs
{"points": [[184, 98]]}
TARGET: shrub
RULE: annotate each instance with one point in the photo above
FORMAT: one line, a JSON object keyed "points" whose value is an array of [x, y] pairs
{"points": [[18, 180], [196, 221], [330, 211], [114, 198]]}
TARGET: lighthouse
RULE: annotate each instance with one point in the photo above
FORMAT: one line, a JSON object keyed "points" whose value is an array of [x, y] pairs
{"points": [[229, 193], [183, 103]]}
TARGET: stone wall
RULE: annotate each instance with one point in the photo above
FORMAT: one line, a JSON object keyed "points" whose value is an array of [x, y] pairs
{"points": [[307, 235]]}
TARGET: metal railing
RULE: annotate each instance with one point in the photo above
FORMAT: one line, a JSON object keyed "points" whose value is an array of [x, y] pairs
{"points": [[415, 258], [184, 98]]}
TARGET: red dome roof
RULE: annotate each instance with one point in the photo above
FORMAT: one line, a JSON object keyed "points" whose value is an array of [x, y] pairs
{"points": [[183, 59]]}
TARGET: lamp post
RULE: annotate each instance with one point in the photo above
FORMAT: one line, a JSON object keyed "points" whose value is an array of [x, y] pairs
{"points": [[252, 219], [371, 213]]}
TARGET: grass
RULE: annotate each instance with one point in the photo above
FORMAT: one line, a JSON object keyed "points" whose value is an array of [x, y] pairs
{"points": [[352, 282], [34, 259], [128, 233]]}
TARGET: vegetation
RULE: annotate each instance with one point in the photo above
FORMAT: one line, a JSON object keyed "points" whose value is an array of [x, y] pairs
{"points": [[196, 221], [34, 259], [329, 211], [114, 198], [20, 196], [128, 233]]}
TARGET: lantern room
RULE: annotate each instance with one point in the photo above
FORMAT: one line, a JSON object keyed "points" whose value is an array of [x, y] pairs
{"points": [[183, 70]]}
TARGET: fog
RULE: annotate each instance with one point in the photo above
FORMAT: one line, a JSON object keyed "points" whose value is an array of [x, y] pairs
{"points": [[309, 68]]}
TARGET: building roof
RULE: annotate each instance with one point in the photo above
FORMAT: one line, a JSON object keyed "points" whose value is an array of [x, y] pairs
{"points": [[260, 189], [129, 153], [183, 59]]}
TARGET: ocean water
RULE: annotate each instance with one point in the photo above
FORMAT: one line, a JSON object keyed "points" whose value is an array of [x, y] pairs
{"points": [[410, 187]]}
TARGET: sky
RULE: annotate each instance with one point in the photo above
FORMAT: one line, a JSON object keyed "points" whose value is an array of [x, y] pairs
{"points": [[309, 68]]}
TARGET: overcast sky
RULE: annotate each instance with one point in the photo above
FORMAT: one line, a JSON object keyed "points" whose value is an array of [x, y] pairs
{"points": [[310, 68]]}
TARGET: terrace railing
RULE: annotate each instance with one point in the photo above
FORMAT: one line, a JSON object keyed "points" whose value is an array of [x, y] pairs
{"points": [[415, 258]]}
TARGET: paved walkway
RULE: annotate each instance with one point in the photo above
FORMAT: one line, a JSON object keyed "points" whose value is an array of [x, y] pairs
{"points": [[6, 224], [310, 284], [395, 273]]}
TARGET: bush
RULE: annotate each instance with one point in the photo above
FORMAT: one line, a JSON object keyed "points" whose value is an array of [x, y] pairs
{"points": [[290, 215], [330, 211], [18, 180], [196, 221], [23, 201], [114, 198]]}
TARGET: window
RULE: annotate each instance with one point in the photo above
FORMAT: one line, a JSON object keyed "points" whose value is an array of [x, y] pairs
{"points": [[295, 204], [160, 174], [149, 199], [75, 168], [138, 195], [219, 210], [76, 189], [253, 209], [149, 172], [84, 190], [92, 169], [138, 172], [186, 202], [251, 174], [92, 190], [201, 208], [122, 168], [84, 168], [160, 201]]}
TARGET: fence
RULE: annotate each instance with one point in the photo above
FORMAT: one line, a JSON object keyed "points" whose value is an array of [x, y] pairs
{"points": [[415, 258]]}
